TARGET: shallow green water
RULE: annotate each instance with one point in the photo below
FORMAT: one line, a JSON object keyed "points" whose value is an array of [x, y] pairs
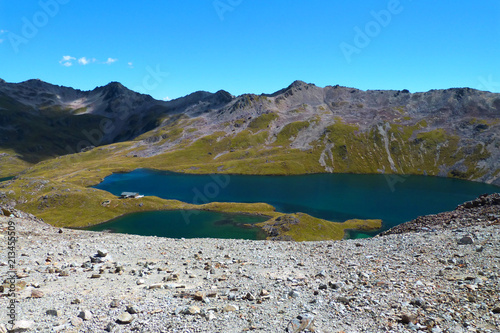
{"points": [[335, 197], [6, 178], [186, 224]]}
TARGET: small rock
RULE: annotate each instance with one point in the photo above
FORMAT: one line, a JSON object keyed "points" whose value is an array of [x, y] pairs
{"points": [[114, 303], [210, 316], [85, 315], [250, 297], [192, 310], [343, 300], [407, 318], [37, 294], [171, 286], [321, 274], [465, 240], [230, 308], [21, 326], [335, 285], [264, 292], [323, 287], [102, 253], [124, 318], [56, 313], [77, 321], [110, 326], [301, 323], [96, 260], [131, 309], [95, 276], [76, 301], [156, 286], [418, 302], [294, 294], [199, 296], [496, 310]]}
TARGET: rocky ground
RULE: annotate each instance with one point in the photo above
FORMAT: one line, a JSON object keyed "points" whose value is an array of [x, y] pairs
{"points": [[445, 278]]}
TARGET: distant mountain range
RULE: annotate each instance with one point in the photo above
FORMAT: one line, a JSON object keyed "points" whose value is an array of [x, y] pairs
{"points": [[299, 129]]}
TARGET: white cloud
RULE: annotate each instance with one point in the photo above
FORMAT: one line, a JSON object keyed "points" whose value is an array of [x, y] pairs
{"points": [[167, 98], [67, 61], [130, 64], [85, 61], [110, 61], [3, 31]]}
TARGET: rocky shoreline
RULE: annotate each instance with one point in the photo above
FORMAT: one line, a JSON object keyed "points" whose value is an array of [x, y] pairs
{"points": [[485, 210], [435, 274]]}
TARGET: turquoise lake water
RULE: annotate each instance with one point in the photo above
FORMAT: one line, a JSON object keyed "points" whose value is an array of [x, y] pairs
{"points": [[6, 178], [334, 197], [186, 224]]}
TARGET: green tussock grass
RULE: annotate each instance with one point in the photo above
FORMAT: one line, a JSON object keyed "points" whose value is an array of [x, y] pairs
{"points": [[290, 131], [11, 163], [311, 228], [262, 122]]}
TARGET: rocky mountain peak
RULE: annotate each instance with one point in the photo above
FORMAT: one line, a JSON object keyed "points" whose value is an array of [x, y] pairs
{"points": [[299, 84], [223, 96]]}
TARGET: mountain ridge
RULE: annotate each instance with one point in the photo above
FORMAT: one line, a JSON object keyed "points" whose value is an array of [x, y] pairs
{"points": [[456, 129]]}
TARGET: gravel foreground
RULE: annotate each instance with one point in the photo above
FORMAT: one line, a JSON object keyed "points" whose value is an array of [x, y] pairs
{"points": [[444, 278]]}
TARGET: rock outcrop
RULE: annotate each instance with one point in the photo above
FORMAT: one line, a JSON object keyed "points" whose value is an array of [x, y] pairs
{"points": [[483, 211]]}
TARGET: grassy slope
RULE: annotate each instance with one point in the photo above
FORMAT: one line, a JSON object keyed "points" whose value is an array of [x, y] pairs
{"points": [[67, 200]]}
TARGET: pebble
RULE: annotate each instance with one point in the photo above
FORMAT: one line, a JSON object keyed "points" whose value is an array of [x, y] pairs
{"points": [[85, 315], [230, 308], [124, 318], [192, 310], [131, 309], [102, 253], [114, 303], [22, 326], [466, 240], [76, 321], [56, 313]]}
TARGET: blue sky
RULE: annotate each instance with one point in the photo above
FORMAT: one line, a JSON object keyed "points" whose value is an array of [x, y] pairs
{"points": [[171, 48]]}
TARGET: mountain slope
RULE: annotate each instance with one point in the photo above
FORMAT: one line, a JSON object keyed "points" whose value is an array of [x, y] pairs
{"points": [[40, 120], [304, 129], [300, 129]]}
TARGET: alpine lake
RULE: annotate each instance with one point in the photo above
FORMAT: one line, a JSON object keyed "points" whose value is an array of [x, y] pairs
{"points": [[394, 199]]}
